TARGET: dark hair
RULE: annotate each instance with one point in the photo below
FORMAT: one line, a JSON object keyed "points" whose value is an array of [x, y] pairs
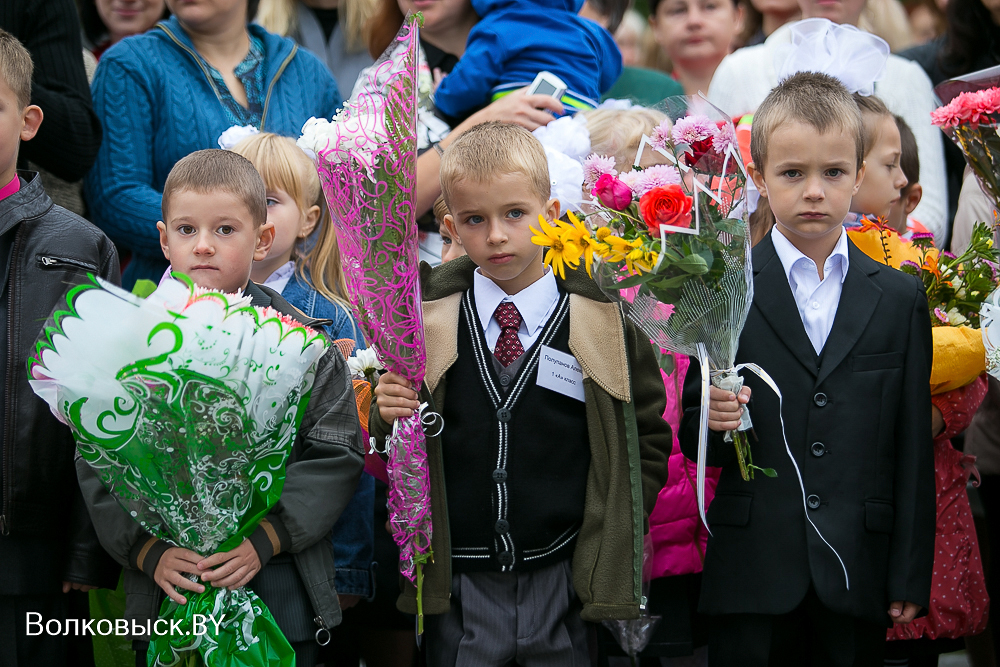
{"points": [[382, 27], [909, 158], [753, 22], [614, 10], [93, 27], [969, 34]]}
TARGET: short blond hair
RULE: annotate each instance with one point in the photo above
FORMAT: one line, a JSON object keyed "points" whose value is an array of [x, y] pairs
{"points": [[16, 68], [495, 148], [816, 99], [440, 209], [617, 132], [285, 166], [873, 110], [213, 170]]}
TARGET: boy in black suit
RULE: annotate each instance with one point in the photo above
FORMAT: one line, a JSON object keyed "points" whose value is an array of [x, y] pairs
{"points": [[813, 573]]}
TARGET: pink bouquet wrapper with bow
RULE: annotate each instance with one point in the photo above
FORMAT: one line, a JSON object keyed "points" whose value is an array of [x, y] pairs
{"points": [[366, 159]]}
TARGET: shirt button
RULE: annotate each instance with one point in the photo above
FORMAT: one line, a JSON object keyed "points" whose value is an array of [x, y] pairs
{"points": [[815, 305], [502, 527], [818, 449], [505, 380], [820, 399], [503, 414], [505, 557], [813, 502], [499, 475]]}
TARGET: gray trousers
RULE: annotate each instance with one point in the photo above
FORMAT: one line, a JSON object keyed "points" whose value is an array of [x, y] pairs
{"points": [[497, 619]]}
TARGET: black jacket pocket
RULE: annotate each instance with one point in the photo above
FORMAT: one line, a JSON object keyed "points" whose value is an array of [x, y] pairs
{"points": [[730, 509], [879, 516], [877, 362]]}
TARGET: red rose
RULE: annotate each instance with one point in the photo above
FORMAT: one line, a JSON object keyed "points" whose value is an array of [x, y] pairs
{"points": [[665, 206]]}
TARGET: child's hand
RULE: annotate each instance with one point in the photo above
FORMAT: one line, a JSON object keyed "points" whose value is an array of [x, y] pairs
{"points": [[395, 398], [73, 586], [725, 408], [903, 612], [234, 568], [174, 564]]}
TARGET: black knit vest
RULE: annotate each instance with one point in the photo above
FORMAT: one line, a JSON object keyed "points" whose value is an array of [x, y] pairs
{"points": [[516, 455]]}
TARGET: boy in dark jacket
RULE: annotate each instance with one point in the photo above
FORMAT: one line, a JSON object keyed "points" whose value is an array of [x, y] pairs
{"points": [[48, 549], [811, 566], [554, 447], [214, 226], [515, 40]]}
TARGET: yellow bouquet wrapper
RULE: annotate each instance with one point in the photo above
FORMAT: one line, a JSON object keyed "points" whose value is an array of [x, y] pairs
{"points": [[959, 357]]}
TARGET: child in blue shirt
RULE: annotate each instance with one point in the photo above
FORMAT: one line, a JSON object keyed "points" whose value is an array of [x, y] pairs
{"points": [[517, 39]]}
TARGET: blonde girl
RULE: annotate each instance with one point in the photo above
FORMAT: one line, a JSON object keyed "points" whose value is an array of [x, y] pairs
{"points": [[310, 278]]}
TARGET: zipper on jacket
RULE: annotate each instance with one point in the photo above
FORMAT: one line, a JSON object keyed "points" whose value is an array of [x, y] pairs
{"points": [[8, 439], [208, 77], [197, 59], [49, 262], [270, 87]]}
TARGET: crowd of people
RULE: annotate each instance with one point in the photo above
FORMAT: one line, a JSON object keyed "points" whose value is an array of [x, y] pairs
{"points": [[144, 137]]}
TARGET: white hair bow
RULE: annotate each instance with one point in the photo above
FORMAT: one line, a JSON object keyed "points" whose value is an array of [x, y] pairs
{"points": [[854, 57]]}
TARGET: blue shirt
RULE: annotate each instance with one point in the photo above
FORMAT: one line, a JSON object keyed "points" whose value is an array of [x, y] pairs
{"points": [[250, 73]]}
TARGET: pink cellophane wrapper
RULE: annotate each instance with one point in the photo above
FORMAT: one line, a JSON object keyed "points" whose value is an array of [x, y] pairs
{"points": [[368, 171]]}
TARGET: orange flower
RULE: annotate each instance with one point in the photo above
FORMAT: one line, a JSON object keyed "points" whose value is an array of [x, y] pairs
{"points": [[931, 264]]}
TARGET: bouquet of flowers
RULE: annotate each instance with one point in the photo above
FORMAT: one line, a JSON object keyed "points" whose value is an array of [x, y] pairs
{"points": [[186, 405], [971, 119], [956, 288], [366, 160], [671, 240]]}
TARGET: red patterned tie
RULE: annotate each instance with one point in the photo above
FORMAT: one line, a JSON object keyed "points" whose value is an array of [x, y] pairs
{"points": [[509, 346]]}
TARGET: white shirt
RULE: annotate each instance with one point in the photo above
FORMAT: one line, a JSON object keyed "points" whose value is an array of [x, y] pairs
{"points": [[535, 303], [745, 77], [279, 279], [816, 299]]}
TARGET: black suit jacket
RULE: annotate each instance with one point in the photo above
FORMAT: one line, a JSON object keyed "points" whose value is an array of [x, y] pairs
{"points": [[857, 419]]}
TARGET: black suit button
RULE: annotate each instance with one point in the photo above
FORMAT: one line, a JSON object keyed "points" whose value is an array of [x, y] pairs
{"points": [[505, 380], [503, 414], [820, 399], [813, 502], [505, 557], [499, 475], [502, 527], [818, 449]]}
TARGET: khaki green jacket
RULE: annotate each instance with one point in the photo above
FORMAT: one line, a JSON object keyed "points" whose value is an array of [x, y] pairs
{"points": [[629, 441]]}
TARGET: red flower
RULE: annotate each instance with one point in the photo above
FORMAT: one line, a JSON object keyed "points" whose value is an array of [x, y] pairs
{"points": [[612, 192], [665, 206]]}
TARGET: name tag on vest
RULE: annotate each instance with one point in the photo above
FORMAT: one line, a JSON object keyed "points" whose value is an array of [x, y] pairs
{"points": [[560, 372]]}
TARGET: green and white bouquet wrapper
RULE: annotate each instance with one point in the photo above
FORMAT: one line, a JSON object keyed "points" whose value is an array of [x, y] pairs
{"points": [[186, 405]]}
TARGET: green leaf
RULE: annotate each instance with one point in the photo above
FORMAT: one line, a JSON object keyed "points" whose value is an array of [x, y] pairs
{"points": [[670, 283], [143, 288], [694, 264], [666, 362], [768, 471], [632, 281]]}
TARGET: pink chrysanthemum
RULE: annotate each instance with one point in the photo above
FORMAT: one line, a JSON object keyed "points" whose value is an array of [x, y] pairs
{"points": [[724, 139], [661, 135], [971, 108], [691, 129], [631, 179], [596, 166], [941, 315], [655, 177]]}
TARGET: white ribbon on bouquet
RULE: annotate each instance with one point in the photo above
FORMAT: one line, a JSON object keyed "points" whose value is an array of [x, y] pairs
{"points": [[706, 383]]}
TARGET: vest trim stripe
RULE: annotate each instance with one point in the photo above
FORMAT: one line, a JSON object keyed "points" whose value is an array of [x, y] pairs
{"points": [[484, 363]]}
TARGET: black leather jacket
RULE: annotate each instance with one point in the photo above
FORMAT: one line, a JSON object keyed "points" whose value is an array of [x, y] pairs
{"points": [[46, 536]]}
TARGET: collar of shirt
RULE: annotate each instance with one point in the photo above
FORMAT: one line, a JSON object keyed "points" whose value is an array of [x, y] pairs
{"points": [[535, 302], [279, 279], [250, 72], [797, 266]]}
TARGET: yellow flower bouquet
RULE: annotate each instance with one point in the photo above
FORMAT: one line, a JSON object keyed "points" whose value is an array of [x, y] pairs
{"points": [[956, 288]]}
